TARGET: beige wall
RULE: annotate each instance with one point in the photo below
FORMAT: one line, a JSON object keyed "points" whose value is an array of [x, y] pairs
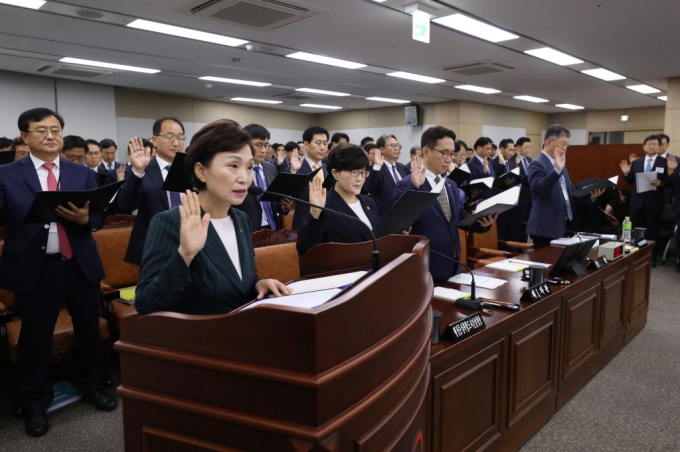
{"points": [[373, 117], [672, 120], [648, 118]]}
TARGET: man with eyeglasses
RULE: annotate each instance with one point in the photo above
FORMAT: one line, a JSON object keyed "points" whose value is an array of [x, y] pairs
{"points": [[73, 146], [385, 173], [21, 148], [142, 190], [47, 265], [520, 159], [551, 190]]}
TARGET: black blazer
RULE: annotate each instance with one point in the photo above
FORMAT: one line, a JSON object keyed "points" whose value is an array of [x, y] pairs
{"points": [[334, 228], [649, 200], [477, 172], [525, 191], [116, 165], [302, 210], [104, 176], [499, 168], [381, 185], [251, 204]]}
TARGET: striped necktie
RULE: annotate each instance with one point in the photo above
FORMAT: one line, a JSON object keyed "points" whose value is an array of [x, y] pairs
{"points": [[444, 200]]}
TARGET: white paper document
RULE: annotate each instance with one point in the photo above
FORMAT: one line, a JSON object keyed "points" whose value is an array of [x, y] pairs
{"points": [[507, 266], [614, 180], [308, 300], [528, 263], [327, 282], [488, 181], [483, 282], [508, 197], [449, 294], [643, 181]]}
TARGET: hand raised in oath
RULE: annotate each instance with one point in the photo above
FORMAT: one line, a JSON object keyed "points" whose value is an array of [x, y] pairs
{"points": [[625, 167], [417, 172], [193, 229], [317, 195], [139, 156], [295, 161]]}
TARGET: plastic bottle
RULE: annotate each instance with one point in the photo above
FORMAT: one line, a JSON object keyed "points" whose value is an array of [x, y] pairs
{"points": [[626, 228]]}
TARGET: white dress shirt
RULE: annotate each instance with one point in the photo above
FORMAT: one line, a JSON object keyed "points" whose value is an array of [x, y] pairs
{"points": [[52, 236]]}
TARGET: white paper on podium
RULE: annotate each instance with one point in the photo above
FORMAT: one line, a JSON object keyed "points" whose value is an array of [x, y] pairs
{"points": [[449, 294], [483, 282], [308, 300], [327, 282], [643, 181]]}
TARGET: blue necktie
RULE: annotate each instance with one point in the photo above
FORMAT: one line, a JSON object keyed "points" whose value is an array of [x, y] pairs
{"points": [[175, 198], [492, 173], [265, 205], [570, 215], [394, 172], [648, 168]]}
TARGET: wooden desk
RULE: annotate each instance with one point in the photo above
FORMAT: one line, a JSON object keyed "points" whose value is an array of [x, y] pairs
{"points": [[494, 390]]}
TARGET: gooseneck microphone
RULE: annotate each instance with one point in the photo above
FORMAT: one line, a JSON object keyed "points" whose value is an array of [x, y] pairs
{"points": [[473, 303], [375, 255]]}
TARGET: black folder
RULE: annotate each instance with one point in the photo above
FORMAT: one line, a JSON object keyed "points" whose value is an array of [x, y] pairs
{"points": [[468, 188], [500, 184], [288, 184], [585, 191], [43, 208], [177, 178], [404, 212], [459, 176], [472, 219], [7, 157]]}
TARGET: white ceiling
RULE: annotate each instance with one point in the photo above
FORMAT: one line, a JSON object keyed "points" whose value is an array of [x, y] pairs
{"points": [[626, 36]]}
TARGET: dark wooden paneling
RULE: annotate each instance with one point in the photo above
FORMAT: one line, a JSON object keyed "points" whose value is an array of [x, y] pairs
{"points": [[599, 161], [614, 299], [638, 302], [581, 333]]}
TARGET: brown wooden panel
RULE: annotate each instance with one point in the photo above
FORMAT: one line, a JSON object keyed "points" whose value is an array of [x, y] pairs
{"points": [[458, 401], [640, 288], [580, 159], [533, 365], [581, 332], [614, 299], [157, 440]]}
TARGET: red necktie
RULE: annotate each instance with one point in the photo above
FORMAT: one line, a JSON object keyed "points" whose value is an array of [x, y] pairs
{"points": [[64, 244]]}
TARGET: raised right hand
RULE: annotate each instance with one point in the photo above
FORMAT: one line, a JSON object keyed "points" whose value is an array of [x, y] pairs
{"points": [[317, 195], [378, 158], [418, 172], [193, 230], [139, 156], [625, 167], [280, 156], [560, 160], [295, 161], [632, 157]]}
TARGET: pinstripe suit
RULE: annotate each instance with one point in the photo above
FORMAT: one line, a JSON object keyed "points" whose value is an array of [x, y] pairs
{"points": [[210, 285]]}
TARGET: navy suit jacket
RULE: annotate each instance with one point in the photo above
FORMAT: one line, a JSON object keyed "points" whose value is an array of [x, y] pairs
{"points": [[432, 224], [674, 183], [381, 185], [23, 254], [649, 200], [525, 191], [477, 172], [251, 204], [302, 210], [210, 285], [334, 228], [116, 165], [104, 176], [147, 195]]}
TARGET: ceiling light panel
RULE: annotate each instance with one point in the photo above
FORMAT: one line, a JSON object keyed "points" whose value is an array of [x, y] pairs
{"points": [[321, 91], [478, 89], [31, 4], [570, 106], [388, 100], [553, 56], [604, 74], [475, 28], [120, 67], [257, 101], [416, 77], [188, 33], [663, 98], [326, 107], [644, 89], [325, 60], [234, 81], [536, 100]]}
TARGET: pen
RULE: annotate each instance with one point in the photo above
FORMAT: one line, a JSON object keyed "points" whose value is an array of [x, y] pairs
{"points": [[501, 304], [557, 281]]}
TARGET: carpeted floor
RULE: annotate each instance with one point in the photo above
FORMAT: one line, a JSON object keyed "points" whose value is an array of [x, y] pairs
{"points": [[633, 404]]}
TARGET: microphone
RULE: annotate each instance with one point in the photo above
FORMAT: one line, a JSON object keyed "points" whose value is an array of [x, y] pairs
{"points": [[473, 303], [375, 255]]}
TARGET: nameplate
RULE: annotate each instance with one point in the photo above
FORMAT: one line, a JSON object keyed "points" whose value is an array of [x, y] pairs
{"points": [[461, 329], [536, 293], [641, 243], [598, 263]]}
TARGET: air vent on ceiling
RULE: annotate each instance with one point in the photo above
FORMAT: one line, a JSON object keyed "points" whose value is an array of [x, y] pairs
{"points": [[262, 15], [294, 96], [69, 71], [475, 69]]}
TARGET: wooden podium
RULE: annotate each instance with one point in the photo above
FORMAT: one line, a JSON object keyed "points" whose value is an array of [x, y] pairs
{"points": [[351, 375]]}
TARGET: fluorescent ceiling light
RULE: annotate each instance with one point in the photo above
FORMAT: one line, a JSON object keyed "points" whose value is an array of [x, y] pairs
{"points": [[234, 81], [644, 89], [120, 67], [416, 77], [570, 106], [325, 60], [392, 101], [320, 91], [327, 107], [185, 33], [554, 56], [604, 74], [478, 89], [536, 100], [663, 98], [32, 4], [475, 28], [257, 101]]}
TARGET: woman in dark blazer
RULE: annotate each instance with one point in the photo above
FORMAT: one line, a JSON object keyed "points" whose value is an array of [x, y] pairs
{"points": [[205, 265], [346, 175]]}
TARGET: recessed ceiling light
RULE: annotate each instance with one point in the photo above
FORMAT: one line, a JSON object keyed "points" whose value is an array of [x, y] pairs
{"points": [[663, 98], [185, 33], [320, 91], [386, 99], [120, 67], [604, 74], [570, 106], [257, 101], [327, 107], [416, 77], [478, 89], [554, 56], [475, 28], [536, 100], [325, 60], [644, 89], [32, 4], [234, 81]]}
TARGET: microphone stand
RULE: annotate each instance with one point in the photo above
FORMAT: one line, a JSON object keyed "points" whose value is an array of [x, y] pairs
{"points": [[375, 255], [473, 303]]}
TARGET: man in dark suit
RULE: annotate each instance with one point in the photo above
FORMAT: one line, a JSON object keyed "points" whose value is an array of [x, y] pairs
{"points": [[92, 158], [501, 165], [385, 173], [551, 189], [47, 265], [439, 222], [646, 207], [143, 190], [521, 159], [415, 150], [316, 145], [263, 215], [109, 148]]}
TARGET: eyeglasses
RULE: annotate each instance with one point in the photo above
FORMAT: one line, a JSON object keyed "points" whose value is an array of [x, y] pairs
{"points": [[445, 153], [562, 145], [172, 137], [75, 158], [42, 131], [93, 154], [358, 173], [393, 145], [22, 154], [261, 146]]}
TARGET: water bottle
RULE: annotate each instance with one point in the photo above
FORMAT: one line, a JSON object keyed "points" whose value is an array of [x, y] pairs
{"points": [[626, 228]]}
